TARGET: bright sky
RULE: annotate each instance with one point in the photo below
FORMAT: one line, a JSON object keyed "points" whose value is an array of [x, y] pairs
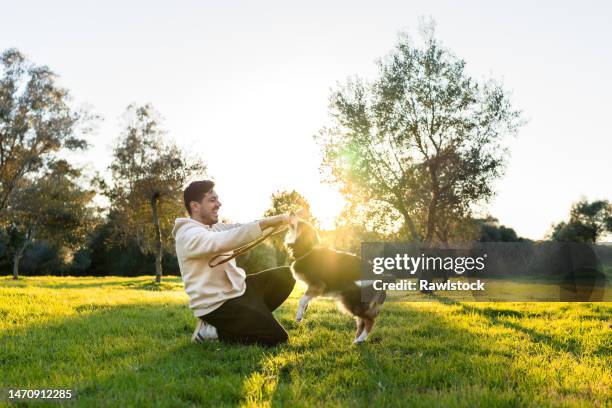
{"points": [[245, 85]]}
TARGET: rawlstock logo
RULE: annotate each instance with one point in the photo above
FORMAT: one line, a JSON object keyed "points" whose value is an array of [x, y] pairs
{"points": [[512, 272]]}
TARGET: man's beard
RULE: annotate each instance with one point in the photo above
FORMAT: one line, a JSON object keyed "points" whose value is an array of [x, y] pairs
{"points": [[211, 218]]}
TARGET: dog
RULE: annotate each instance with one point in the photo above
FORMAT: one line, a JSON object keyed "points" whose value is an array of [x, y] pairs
{"points": [[331, 273]]}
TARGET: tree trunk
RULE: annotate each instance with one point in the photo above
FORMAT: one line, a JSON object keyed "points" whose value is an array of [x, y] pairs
{"points": [[410, 228], [431, 218], [433, 207], [17, 259], [158, 243], [431, 221]]}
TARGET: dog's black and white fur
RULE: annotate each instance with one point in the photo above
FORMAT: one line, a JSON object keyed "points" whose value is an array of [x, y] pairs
{"points": [[328, 272]]}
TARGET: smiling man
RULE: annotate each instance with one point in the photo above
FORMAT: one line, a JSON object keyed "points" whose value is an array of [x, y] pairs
{"points": [[229, 304]]}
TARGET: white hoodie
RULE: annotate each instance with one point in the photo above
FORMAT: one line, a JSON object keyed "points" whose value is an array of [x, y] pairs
{"points": [[196, 244]]}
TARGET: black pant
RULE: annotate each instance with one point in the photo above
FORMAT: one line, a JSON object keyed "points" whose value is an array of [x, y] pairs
{"points": [[248, 318]]}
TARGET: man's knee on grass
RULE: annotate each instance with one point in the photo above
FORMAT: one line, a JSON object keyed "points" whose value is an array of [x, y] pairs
{"points": [[273, 335], [275, 340], [271, 339]]}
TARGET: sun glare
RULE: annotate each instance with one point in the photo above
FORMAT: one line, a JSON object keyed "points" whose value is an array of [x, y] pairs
{"points": [[326, 204]]}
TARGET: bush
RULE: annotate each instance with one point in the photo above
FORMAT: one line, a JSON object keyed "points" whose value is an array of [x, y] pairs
{"points": [[260, 258]]}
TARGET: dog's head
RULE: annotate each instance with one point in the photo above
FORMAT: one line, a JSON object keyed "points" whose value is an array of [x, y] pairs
{"points": [[301, 237]]}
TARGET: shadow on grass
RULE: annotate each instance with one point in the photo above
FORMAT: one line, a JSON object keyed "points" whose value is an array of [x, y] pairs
{"points": [[414, 358], [499, 317], [423, 356]]}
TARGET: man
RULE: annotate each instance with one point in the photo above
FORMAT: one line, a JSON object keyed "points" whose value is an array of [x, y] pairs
{"points": [[229, 305]]}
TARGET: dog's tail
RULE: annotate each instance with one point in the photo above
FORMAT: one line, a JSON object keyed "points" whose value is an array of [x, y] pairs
{"points": [[379, 298], [375, 297], [385, 277]]}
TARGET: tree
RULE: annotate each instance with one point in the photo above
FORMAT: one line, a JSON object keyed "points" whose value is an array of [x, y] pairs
{"points": [[588, 222], [105, 255], [491, 231], [148, 177], [53, 207], [36, 121], [285, 202], [420, 144]]}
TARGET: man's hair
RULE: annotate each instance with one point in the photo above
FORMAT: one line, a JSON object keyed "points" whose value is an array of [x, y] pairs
{"points": [[196, 192]]}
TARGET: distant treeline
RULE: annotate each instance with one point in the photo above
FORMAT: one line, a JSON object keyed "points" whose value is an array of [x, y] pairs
{"points": [[104, 255]]}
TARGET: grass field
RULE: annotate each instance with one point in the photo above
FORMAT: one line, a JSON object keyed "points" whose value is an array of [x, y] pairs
{"points": [[126, 342]]}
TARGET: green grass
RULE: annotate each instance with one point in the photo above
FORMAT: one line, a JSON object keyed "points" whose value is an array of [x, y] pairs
{"points": [[126, 342]]}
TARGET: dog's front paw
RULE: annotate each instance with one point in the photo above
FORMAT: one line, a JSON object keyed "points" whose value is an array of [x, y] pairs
{"points": [[361, 338]]}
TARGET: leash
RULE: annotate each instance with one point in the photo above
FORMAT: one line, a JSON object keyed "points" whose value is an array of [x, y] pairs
{"points": [[241, 250]]}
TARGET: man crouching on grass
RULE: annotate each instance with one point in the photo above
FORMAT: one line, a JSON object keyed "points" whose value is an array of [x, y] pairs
{"points": [[229, 305]]}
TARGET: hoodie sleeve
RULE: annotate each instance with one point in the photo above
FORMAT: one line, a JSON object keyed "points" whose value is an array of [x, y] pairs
{"points": [[224, 227], [197, 242]]}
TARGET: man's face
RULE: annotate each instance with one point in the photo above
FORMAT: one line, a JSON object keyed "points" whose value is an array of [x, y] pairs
{"points": [[207, 210]]}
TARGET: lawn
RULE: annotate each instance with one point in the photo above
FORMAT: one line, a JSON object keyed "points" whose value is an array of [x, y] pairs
{"points": [[126, 342]]}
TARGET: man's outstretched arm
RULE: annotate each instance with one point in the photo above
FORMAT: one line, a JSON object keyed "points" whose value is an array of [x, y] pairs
{"points": [[274, 221], [197, 242]]}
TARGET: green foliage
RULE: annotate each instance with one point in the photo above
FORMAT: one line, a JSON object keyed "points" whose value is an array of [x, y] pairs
{"points": [[118, 343], [43, 258], [492, 231], [38, 258], [54, 207], [104, 255], [287, 202], [588, 222], [420, 144], [36, 121]]}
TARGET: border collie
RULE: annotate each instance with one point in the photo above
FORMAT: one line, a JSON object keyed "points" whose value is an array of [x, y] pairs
{"points": [[331, 273]]}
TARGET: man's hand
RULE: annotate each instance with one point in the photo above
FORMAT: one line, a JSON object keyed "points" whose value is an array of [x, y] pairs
{"points": [[274, 221]]}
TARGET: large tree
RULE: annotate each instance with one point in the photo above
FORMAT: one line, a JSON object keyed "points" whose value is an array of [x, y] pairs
{"points": [[420, 144], [54, 207], [149, 173], [588, 222], [36, 121]]}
